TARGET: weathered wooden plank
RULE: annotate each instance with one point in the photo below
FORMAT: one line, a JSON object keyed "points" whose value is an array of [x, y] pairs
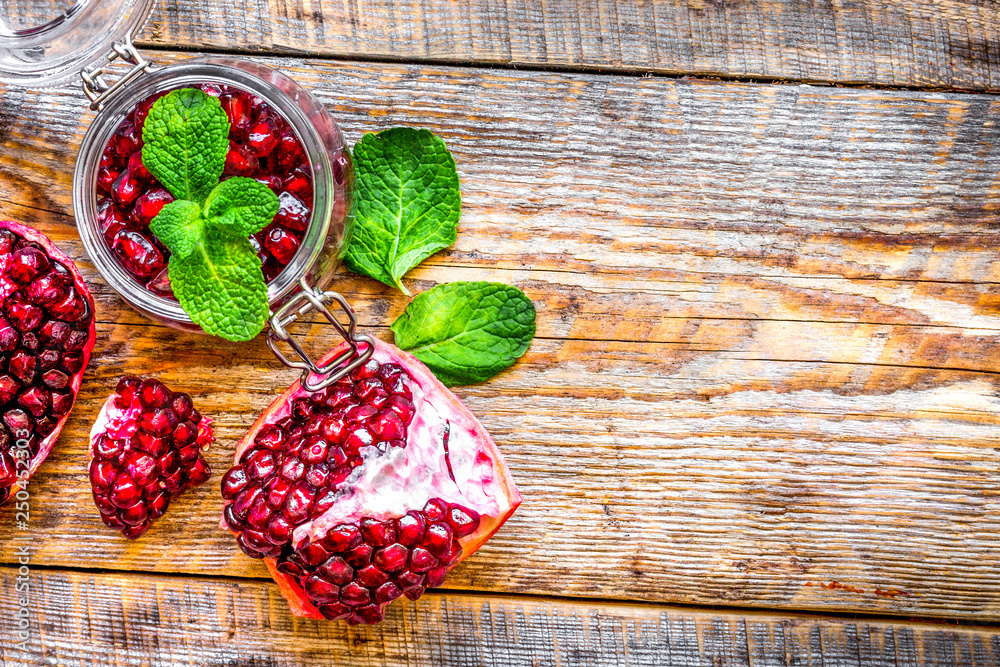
{"points": [[944, 43], [766, 369], [77, 619]]}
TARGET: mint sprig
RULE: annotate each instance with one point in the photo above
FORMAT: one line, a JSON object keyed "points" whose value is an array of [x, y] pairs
{"points": [[214, 271], [407, 203], [467, 332]]}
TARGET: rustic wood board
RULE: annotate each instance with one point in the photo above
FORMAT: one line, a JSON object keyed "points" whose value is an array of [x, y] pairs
{"points": [[194, 621], [765, 372], [936, 43]]}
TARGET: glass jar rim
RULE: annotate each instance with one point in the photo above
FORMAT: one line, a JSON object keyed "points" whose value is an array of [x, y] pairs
{"points": [[56, 51], [196, 71]]}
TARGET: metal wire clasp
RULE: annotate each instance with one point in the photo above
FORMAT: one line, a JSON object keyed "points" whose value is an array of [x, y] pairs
{"points": [[304, 302], [94, 84]]}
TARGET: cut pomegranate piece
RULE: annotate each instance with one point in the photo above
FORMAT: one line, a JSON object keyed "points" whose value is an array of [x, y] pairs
{"points": [[46, 337], [366, 491], [262, 146], [146, 449]]}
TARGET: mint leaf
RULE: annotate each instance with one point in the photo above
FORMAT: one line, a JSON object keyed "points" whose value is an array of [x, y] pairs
{"points": [[186, 138], [407, 203], [220, 285], [244, 204], [467, 332], [180, 226]]}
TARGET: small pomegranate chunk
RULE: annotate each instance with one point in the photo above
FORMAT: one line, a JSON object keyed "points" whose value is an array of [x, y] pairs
{"points": [[262, 146], [46, 336], [146, 449], [366, 491]]}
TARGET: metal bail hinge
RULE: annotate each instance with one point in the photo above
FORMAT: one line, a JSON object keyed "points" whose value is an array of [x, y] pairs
{"points": [[306, 301], [97, 88]]}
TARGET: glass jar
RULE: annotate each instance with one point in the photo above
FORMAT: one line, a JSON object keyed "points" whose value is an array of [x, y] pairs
{"points": [[85, 40], [328, 231]]}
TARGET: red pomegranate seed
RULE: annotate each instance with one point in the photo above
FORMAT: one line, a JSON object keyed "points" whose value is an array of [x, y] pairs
{"points": [[8, 388], [106, 177], [127, 140], [281, 244], [137, 254], [237, 108], [262, 138], [292, 212], [289, 151], [421, 560], [137, 168], [299, 183], [239, 161], [26, 264], [24, 315], [392, 558], [149, 205], [160, 284], [463, 521], [378, 533], [126, 189], [271, 181], [110, 219]]}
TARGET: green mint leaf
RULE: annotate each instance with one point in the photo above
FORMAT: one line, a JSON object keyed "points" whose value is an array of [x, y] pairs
{"points": [[220, 285], [244, 204], [467, 332], [407, 203], [186, 137], [180, 226]]}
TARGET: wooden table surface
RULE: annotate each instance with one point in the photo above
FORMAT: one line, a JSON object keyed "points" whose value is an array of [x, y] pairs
{"points": [[759, 422]]}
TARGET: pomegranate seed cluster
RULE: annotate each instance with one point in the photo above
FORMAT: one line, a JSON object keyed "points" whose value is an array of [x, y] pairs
{"points": [[358, 568], [44, 330], [292, 472], [148, 456], [262, 146]]}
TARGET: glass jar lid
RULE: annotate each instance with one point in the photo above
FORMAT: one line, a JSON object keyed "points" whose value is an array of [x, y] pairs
{"points": [[49, 42]]}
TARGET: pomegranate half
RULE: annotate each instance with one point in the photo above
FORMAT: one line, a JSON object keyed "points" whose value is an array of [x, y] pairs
{"points": [[366, 491], [46, 337]]}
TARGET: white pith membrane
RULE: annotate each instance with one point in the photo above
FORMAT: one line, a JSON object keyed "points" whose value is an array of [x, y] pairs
{"points": [[407, 477], [8, 287], [119, 423], [389, 484]]}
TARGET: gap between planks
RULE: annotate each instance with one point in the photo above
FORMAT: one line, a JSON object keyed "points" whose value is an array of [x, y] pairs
{"points": [[246, 621]]}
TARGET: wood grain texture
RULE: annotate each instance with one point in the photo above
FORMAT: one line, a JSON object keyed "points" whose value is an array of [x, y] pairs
{"points": [[765, 372], [79, 619], [936, 43]]}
